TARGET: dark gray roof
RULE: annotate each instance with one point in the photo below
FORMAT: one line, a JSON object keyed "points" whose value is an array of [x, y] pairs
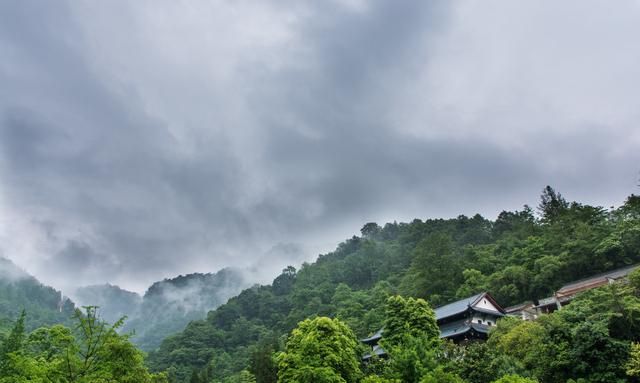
{"points": [[373, 338], [519, 307], [487, 311], [454, 328], [456, 307], [460, 327], [613, 274], [377, 351], [447, 311]]}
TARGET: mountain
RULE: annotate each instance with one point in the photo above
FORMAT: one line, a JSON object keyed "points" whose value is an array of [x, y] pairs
{"points": [[166, 307], [114, 302], [19, 291], [519, 256]]}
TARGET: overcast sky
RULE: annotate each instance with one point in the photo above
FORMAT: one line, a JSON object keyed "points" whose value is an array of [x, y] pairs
{"points": [[143, 139]]}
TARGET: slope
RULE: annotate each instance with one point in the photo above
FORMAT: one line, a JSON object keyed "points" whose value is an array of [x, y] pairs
{"points": [[518, 256]]}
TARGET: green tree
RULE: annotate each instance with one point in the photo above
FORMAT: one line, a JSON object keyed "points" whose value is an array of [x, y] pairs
{"points": [[515, 379], [552, 204], [474, 282], [93, 353], [412, 341], [262, 364], [633, 364], [370, 230], [320, 350], [14, 341], [433, 259], [409, 317]]}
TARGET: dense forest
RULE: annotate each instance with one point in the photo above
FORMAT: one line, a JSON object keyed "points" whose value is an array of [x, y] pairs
{"points": [[21, 291], [305, 325], [522, 255]]}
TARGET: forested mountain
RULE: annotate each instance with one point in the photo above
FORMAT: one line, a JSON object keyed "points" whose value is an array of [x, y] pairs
{"points": [[114, 302], [20, 291], [521, 255], [166, 307]]}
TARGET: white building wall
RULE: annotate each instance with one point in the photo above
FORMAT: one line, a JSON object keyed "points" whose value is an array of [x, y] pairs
{"points": [[484, 319], [486, 304]]}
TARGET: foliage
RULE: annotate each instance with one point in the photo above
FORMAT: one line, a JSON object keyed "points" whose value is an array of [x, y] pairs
{"points": [[20, 291], [515, 379], [412, 341], [320, 350], [409, 318], [517, 257], [92, 352], [633, 364]]}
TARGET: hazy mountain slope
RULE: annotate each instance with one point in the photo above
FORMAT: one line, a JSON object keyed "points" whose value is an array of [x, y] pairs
{"points": [[167, 306], [21, 291], [113, 301]]}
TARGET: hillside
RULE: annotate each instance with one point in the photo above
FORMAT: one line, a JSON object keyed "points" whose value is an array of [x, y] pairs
{"points": [[516, 257], [167, 306], [21, 291], [114, 302]]}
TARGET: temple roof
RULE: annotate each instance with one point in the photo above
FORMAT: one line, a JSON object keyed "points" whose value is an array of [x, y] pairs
{"points": [[595, 281], [463, 305], [450, 310], [373, 338], [460, 327]]}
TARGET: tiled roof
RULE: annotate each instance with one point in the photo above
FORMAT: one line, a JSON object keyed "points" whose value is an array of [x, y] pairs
{"points": [[519, 307], [377, 351], [456, 307], [547, 301], [460, 327], [597, 279], [446, 311], [487, 311], [373, 338], [454, 328]]}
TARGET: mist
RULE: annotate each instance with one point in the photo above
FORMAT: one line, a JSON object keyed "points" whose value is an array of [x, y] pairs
{"points": [[144, 140]]}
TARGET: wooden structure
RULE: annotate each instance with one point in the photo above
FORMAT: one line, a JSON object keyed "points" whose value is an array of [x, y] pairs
{"points": [[566, 293], [464, 320]]}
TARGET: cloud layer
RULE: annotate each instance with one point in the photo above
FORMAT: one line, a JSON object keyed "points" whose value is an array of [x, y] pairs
{"points": [[139, 140]]}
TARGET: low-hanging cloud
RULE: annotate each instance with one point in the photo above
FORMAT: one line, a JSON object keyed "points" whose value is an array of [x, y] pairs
{"points": [[140, 140]]}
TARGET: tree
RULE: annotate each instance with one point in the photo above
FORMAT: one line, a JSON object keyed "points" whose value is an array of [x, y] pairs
{"points": [[12, 344], [284, 282], [552, 204], [411, 339], [435, 271], [370, 230], [514, 379], [15, 339], [93, 353], [633, 364], [246, 377], [523, 341], [320, 350], [409, 317], [474, 282], [262, 364]]}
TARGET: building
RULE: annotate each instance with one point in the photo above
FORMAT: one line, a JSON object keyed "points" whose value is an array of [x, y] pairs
{"points": [[525, 311], [467, 319], [566, 293]]}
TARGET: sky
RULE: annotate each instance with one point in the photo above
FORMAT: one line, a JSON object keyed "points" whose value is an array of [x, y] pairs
{"points": [[145, 139]]}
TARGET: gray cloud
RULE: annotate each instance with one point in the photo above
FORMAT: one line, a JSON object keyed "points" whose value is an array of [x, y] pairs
{"points": [[140, 140]]}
